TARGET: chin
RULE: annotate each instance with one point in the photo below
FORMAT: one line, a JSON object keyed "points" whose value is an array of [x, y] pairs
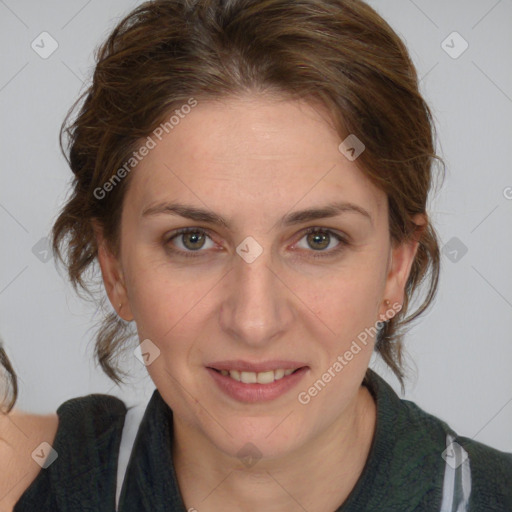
{"points": [[257, 438]]}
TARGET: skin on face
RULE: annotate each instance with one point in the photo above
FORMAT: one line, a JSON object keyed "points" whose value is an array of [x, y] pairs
{"points": [[253, 160]]}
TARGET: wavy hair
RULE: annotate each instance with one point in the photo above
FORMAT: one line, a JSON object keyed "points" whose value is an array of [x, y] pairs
{"points": [[339, 53]]}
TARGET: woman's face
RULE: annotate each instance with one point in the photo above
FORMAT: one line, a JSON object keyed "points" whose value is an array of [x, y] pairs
{"points": [[258, 292]]}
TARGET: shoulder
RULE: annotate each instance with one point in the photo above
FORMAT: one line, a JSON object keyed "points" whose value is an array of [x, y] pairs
{"points": [[96, 411], [30, 442], [483, 457], [491, 474], [423, 451], [490, 470], [20, 434], [480, 454]]}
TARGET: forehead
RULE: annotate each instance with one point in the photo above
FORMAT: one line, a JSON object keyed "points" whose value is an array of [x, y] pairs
{"points": [[251, 151]]}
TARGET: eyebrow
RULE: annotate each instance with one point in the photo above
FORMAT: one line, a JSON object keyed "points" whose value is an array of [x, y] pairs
{"points": [[298, 217]]}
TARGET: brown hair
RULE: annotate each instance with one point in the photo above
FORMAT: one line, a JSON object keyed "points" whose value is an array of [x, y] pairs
{"points": [[339, 53]]}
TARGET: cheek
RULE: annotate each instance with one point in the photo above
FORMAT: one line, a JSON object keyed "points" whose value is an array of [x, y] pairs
{"points": [[157, 297], [169, 307], [164, 314], [346, 301], [162, 308]]}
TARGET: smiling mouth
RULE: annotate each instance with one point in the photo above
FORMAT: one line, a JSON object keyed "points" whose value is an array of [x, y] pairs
{"points": [[257, 377]]}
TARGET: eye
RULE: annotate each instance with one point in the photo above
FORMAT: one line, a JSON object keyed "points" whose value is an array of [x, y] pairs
{"points": [[193, 240], [320, 239]]}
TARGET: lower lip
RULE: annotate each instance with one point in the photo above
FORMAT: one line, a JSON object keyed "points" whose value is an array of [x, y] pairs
{"points": [[251, 393]]}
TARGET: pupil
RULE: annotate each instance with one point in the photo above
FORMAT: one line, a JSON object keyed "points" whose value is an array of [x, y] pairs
{"points": [[319, 238], [195, 238]]}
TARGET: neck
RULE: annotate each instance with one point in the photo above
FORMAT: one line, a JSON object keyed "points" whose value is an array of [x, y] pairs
{"points": [[319, 476]]}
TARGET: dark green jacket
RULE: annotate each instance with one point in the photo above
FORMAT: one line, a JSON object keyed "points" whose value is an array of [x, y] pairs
{"points": [[416, 463]]}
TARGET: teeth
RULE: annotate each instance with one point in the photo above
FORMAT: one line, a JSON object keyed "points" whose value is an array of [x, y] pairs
{"points": [[260, 377], [248, 377], [278, 374], [264, 377]]}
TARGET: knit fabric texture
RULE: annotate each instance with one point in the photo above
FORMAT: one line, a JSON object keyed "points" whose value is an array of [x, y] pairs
{"points": [[404, 471]]}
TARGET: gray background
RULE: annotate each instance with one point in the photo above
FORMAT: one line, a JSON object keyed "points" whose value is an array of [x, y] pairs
{"points": [[460, 352]]}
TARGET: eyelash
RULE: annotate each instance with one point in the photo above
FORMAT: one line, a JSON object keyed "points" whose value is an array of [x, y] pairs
{"points": [[319, 254]]}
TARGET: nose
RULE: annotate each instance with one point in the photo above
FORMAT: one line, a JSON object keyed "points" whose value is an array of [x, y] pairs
{"points": [[258, 306]]}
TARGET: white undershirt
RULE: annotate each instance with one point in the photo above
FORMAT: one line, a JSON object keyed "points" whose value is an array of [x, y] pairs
{"points": [[130, 428]]}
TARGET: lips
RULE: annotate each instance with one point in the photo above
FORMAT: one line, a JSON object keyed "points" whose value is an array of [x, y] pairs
{"points": [[251, 387]]}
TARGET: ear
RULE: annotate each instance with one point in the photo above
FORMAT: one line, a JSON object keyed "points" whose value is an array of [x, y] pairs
{"points": [[112, 274], [400, 264]]}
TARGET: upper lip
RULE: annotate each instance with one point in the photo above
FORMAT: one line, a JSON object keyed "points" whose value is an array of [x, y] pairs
{"points": [[246, 366]]}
